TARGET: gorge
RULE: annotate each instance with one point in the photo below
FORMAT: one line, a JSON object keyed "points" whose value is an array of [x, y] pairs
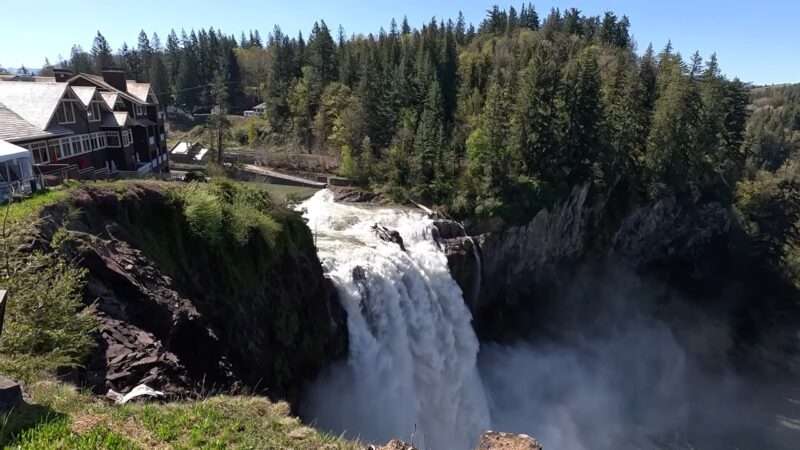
{"points": [[620, 353]]}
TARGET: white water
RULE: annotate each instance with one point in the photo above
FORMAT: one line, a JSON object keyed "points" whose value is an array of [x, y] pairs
{"points": [[413, 353]]}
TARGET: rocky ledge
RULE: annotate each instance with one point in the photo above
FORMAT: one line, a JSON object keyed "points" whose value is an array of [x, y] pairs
{"points": [[188, 318], [491, 440]]}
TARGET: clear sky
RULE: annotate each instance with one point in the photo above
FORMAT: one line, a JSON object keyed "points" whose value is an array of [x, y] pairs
{"points": [[758, 41]]}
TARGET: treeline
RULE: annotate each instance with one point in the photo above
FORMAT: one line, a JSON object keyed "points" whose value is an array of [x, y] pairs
{"points": [[498, 119], [768, 196], [196, 69]]}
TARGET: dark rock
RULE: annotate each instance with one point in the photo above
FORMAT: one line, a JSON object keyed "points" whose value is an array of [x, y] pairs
{"points": [[389, 235], [10, 394], [394, 444], [448, 229], [354, 195]]}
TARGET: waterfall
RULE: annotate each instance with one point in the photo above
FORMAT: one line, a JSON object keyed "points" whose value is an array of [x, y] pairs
{"points": [[412, 366], [477, 279]]}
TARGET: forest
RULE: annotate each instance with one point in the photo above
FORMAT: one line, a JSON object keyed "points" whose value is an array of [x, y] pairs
{"points": [[501, 119]]}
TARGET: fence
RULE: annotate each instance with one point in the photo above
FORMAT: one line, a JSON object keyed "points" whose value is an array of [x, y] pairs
{"points": [[298, 162]]}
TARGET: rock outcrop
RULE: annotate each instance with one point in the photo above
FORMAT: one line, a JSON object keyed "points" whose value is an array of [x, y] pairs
{"points": [[493, 440], [518, 262], [189, 318]]}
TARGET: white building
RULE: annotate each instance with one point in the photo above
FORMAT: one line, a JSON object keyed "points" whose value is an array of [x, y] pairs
{"points": [[16, 170]]}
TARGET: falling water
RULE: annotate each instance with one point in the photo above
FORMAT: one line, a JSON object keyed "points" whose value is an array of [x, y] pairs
{"points": [[477, 279], [412, 366]]}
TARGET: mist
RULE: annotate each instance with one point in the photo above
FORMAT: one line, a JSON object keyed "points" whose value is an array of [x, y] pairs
{"points": [[611, 360]]}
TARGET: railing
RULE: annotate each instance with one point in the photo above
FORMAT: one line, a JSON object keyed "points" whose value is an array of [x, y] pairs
{"points": [[131, 175]]}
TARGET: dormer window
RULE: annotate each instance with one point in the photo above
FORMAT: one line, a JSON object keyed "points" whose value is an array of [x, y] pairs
{"points": [[94, 112], [65, 113], [141, 110]]}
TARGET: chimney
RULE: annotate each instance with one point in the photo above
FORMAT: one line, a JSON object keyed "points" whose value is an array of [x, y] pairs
{"points": [[62, 75], [116, 78]]}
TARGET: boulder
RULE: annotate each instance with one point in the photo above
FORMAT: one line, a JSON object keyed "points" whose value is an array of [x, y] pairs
{"points": [[10, 394], [394, 444], [493, 440], [389, 235]]}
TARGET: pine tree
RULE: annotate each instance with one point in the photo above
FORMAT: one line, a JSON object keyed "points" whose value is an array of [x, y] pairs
{"points": [[428, 142], [583, 113], [536, 116], [624, 121], [145, 52], [101, 52], [80, 60]]}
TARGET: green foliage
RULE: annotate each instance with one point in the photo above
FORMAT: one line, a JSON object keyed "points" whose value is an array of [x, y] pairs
{"points": [[204, 212], [47, 325], [768, 209], [347, 168]]}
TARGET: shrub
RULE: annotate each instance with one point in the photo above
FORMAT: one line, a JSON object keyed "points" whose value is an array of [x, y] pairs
{"points": [[203, 211], [47, 326]]}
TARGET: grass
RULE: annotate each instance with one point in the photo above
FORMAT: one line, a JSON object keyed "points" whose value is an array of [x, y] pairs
{"points": [[68, 419], [31, 205]]}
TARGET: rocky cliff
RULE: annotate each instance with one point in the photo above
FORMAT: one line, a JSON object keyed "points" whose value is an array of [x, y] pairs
{"points": [[189, 317], [694, 248]]}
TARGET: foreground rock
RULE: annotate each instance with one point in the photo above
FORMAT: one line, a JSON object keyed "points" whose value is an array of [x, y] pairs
{"points": [[491, 440], [10, 394]]}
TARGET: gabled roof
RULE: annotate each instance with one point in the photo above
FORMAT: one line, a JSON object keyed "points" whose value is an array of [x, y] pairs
{"points": [[34, 102], [116, 120], [139, 90], [85, 93], [100, 83], [260, 106], [110, 98]]}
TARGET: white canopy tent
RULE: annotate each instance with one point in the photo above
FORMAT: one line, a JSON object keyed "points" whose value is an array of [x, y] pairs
{"points": [[16, 170]]}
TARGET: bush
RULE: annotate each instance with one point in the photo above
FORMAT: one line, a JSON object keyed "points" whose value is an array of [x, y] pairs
{"points": [[203, 211], [47, 326]]}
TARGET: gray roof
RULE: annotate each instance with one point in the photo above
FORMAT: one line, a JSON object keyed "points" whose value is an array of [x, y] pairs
{"points": [[85, 93], [260, 106], [12, 126], [34, 102]]}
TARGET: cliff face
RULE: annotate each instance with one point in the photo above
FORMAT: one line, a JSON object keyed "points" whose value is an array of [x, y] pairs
{"points": [[189, 317], [693, 249]]}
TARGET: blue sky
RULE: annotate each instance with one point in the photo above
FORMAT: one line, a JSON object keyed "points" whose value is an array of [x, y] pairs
{"points": [[756, 41]]}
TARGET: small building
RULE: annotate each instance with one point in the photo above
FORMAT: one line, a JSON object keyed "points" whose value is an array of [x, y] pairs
{"points": [[260, 109], [188, 153], [16, 170], [251, 113]]}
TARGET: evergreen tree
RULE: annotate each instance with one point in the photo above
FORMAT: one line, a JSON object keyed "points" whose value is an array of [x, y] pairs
{"points": [[583, 113], [101, 52], [428, 142], [80, 61]]}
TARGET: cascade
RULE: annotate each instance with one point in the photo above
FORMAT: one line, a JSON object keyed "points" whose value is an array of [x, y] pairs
{"points": [[412, 365]]}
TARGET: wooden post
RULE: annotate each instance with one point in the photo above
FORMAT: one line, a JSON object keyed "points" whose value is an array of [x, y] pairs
{"points": [[3, 300]]}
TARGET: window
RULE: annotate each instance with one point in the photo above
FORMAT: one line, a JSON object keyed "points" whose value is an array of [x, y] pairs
{"points": [[141, 110], [55, 147], [94, 112], [127, 138], [86, 143], [65, 112], [77, 148], [39, 152], [64, 148], [112, 139], [98, 141]]}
